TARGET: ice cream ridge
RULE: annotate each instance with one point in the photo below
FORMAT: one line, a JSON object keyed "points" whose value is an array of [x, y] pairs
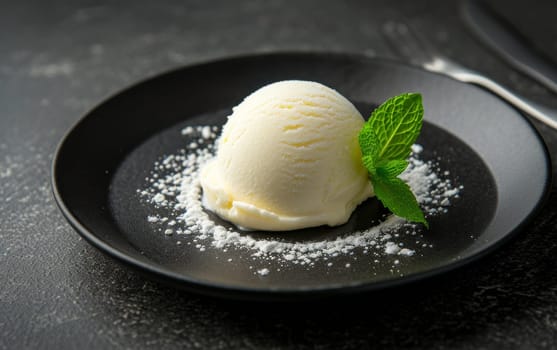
{"points": [[288, 158]]}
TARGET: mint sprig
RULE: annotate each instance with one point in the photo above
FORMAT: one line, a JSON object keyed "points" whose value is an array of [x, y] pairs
{"points": [[386, 140]]}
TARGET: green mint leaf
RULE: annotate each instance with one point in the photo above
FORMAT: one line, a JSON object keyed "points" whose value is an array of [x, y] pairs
{"points": [[368, 140], [386, 140], [397, 123], [392, 168], [369, 164], [369, 147], [396, 195]]}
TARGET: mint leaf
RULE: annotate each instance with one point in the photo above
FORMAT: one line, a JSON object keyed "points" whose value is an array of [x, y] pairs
{"points": [[386, 140], [368, 140], [392, 168], [396, 195], [369, 147], [369, 164], [397, 124]]}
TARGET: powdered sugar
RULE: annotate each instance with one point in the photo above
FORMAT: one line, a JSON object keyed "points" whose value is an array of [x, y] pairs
{"points": [[174, 185]]}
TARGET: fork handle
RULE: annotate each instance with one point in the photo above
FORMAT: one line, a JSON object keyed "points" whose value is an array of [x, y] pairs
{"points": [[542, 113]]}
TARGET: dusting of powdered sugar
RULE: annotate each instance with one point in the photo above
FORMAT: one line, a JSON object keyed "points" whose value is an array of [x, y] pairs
{"points": [[173, 185]]}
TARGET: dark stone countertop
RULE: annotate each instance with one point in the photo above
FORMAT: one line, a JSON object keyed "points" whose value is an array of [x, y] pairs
{"points": [[60, 58]]}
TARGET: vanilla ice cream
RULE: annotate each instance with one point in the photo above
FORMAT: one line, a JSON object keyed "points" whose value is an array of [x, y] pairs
{"points": [[288, 158]]}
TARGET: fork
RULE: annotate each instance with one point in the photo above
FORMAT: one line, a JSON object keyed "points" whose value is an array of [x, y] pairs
{"points": [[410, 46]]}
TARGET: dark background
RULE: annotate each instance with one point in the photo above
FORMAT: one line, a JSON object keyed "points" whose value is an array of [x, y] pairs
{"points": [[60, 58]]}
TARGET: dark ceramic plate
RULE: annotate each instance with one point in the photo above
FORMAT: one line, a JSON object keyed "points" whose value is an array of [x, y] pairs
{"points": [[488, 147]]}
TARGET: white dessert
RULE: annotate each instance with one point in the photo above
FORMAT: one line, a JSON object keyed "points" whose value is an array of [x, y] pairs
{"points": [[288, 158]]}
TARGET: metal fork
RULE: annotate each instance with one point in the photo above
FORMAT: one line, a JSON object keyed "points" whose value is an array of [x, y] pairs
{"points": [[418, 52]]}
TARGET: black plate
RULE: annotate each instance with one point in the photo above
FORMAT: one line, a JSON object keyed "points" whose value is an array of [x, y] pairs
{"points": [[487, 146]]}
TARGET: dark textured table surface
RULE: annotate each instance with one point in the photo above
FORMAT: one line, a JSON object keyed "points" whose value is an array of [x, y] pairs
{"points": [[60, 58]]}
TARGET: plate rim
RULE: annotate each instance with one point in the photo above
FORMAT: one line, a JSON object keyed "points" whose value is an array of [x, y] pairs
{"points": [[195, 285]]}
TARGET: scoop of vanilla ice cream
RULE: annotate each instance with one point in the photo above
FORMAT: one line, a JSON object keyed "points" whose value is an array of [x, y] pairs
{"points": [[288, 158]]}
